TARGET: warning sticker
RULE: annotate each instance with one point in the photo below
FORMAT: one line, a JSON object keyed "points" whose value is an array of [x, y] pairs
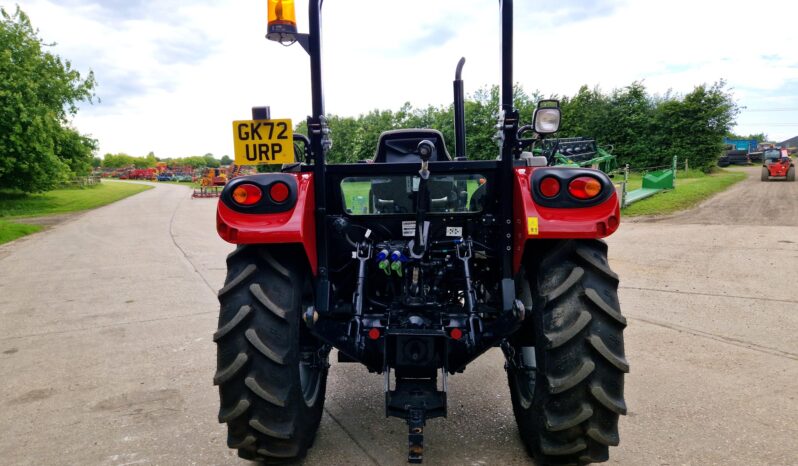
{"points": [[408, 228], [532, 226]]}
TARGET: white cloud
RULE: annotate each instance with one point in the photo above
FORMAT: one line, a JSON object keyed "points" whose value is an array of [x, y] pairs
{"points": [[173, 75]]}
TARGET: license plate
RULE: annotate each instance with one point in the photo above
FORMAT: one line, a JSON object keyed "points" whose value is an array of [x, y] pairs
{"points": [[263, 142]]}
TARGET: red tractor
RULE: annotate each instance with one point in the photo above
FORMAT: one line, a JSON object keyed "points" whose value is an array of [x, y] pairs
{"points": [[778, 165], [414, 265]]}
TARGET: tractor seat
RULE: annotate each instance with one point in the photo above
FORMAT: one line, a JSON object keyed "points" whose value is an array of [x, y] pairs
{"points": [[391, 196], [399, 146]]}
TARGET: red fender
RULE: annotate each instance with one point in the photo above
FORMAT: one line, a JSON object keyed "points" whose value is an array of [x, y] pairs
{"points": [[597, 221], [297, 225]]}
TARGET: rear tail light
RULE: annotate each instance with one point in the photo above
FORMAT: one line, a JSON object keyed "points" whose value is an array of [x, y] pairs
{"points": [[279, 192], [374, 333], [456, 333], [247, 194], [550, 187], [584, 187]]}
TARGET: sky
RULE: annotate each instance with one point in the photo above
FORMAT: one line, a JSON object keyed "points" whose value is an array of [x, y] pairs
{"points": [[172, 75]]}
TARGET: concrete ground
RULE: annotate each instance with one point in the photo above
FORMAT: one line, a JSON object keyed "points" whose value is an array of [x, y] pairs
{"points": [[106, 354]]}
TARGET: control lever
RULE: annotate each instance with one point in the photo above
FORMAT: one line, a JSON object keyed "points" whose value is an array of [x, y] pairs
{"points": [[362, 254], [464, 253], [425, 150]]}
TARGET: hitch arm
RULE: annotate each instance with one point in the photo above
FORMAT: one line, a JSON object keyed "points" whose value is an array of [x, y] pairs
{"points": [[415, 436]]}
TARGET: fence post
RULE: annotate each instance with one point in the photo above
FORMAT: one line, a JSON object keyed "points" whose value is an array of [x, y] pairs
{"points": [[674, 167], [623, 187], [686, 164]]}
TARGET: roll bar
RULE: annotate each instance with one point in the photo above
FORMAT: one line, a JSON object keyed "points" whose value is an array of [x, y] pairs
{"points": [[311, 42], [320, 143]]}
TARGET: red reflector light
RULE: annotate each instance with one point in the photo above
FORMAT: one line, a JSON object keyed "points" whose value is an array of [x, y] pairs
{"points": [[247, 194], [279, 192], [584, 187], [456, 334], [374, 333], [550, 187]]}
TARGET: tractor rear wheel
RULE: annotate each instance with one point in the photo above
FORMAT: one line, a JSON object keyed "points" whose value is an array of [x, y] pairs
{"points": [[765, 174], [567, 363], [791, 174], [272, 373]]}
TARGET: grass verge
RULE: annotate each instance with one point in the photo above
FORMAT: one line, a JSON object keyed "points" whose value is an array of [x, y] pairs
{"points": [[15, 206], [691, 188], [11, 231]]}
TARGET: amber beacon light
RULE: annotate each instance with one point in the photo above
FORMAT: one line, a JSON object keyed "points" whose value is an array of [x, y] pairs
{"points": [[282, 21]]}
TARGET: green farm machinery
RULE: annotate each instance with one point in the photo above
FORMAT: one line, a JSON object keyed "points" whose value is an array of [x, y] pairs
{"points": [[654, 181], [579, 152]]}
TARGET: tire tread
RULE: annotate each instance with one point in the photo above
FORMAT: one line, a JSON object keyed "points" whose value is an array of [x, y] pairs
{"points": [[258, 351], [573, 415]]}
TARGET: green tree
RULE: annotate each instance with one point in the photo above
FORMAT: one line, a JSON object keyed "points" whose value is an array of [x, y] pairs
{"points": [[693, 127], [75, 150], [760, 137], [585, 114], [193, 162], [39, 93], [644, 130], [211, 161], [226, 160], [117, 160]]}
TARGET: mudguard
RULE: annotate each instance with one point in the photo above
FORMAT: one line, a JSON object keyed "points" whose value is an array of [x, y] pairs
{"points": [[293, 222], [534, 221]]}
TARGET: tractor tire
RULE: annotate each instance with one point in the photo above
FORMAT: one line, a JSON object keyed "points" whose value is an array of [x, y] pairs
{"points": [[567, 401], [272, 373], [791, 174], [765, 174]]}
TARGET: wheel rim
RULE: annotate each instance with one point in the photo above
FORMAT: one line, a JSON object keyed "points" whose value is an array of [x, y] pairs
{"points": [[524, 386], [311, 360], [309, 381], [525, 375]]}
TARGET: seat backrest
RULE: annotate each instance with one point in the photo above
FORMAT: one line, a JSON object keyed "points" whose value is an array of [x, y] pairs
{"points": [[391, 196], [394, 195], [399, 146]]}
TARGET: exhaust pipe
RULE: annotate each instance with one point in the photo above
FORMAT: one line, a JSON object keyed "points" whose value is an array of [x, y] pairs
{"points": [[459, 113]]}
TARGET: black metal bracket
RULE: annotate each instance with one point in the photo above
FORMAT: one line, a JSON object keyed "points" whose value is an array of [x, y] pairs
{"points": [[415, 400], [304, 41], [415, 436]]}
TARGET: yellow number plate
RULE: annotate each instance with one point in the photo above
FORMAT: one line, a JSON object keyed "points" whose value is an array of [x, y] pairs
{"points": [[263, 141]]}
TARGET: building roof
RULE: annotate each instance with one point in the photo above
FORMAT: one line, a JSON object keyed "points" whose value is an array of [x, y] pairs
{"points": [[792, 142]]}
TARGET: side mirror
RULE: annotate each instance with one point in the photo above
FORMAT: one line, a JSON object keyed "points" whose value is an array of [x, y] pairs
{"points": [[547, 117]]}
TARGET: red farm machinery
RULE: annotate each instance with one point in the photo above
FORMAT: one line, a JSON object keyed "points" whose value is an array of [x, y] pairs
{"points": [[213, 179], [413, 266], [777, 165]]}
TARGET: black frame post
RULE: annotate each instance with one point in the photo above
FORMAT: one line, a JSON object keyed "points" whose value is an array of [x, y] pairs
{"points": [[319, 143], [508, 128]]}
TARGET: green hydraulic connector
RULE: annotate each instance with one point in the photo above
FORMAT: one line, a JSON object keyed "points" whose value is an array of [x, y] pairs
{"points": [[384, 265], [397, 267]]}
